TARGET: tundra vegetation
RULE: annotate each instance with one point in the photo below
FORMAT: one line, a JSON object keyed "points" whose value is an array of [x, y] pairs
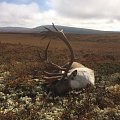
{"points": [[22, 96]]}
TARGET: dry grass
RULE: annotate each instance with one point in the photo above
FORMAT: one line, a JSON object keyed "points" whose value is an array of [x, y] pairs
{"points": [[21, 95]]}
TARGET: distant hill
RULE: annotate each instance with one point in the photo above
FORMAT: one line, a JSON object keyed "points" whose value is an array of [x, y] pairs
{"points": [[14, 29], [39, 29], [67, 29]]}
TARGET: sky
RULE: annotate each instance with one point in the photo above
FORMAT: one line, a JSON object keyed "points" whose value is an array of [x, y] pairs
{"points": [[92, 14]]}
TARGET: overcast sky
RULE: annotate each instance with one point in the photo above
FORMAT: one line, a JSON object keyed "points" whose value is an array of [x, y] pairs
{"points": [[95, 14]]}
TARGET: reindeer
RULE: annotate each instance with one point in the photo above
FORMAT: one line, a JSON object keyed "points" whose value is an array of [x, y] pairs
{"points": [[72, 75]]}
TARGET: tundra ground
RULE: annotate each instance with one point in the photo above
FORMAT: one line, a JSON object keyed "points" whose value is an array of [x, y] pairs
{"points": [[21, 94]]}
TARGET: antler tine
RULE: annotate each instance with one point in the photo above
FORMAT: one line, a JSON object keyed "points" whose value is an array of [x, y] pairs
{"points": [[51, 79], [45, 58], [65, 40], [46, 51], [62, 36], [55, 27], [47, 33], [52, 76], [47, 29]]}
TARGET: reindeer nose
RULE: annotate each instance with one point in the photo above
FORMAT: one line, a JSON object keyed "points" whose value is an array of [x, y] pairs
{"points": [[90, 85], [92, 82]]}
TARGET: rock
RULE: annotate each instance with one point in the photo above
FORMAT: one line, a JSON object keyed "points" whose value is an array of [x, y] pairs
{"points": [[2, 96], [2, 87]]}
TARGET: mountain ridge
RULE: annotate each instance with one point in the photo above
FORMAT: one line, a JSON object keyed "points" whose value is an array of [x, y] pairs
{"points": [[66, 29]]}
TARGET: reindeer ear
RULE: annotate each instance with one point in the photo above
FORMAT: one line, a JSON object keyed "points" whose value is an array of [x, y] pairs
{"points": [[74, 73]]}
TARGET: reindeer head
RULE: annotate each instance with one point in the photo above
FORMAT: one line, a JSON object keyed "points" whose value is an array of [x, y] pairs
{"points": [[64, 79]]}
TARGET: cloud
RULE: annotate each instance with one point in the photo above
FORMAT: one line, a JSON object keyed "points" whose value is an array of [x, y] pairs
{"points": [[12, 14], [102, 14], [23, 14], [26, 15], [87, 9]]}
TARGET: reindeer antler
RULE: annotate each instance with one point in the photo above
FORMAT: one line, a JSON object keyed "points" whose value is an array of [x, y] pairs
{"points": [[62, 36]]}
